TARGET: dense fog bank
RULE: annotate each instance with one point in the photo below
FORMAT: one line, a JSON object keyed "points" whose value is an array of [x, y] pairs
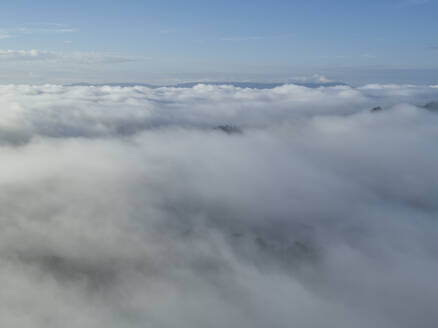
{"points": [[218, 206]]}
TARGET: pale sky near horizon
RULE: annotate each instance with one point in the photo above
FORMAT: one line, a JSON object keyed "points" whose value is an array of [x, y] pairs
{"points": [[382, 41]]}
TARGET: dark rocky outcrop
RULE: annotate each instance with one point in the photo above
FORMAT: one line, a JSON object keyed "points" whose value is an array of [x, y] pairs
{"points": [[229, 129], [432, 106], [376, 109]]}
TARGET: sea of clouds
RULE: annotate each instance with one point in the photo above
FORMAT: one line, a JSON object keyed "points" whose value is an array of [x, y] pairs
{"points": [[129, 207]]}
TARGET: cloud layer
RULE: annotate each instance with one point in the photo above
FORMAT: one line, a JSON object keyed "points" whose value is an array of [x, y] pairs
{"points": [[126, 207]]}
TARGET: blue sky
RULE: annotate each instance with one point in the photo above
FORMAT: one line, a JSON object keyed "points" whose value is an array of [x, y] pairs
{"points": [[165, 41]]}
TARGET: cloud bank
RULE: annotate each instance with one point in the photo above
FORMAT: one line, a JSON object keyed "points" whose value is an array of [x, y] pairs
{"points": [[127, 207]]}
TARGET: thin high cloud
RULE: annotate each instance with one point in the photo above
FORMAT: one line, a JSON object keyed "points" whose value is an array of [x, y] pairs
{"points": [[27, 30], [4, 35], [77, 57], [255, 37], [243, 38], [37, 29], [414, 3], [417, 2], [132, 207]]}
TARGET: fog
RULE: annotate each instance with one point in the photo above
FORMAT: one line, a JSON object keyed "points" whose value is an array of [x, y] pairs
{"points": [[129, 207]]}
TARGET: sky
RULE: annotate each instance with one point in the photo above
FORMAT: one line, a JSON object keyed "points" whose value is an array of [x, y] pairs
{"points": [[218, 205], [385, 41]]}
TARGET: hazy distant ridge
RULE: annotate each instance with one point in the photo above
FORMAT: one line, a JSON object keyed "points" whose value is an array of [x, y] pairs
{"points": [[251, 85]]}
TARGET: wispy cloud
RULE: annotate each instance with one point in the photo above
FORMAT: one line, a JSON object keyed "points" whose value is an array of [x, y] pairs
{"points": [[413, 2], [315, 78], [76, 57], [4, 35], [335, 57], [256, 37], [26, 30], [166, 31], [6, 55], [364, 55], [242, 38]]}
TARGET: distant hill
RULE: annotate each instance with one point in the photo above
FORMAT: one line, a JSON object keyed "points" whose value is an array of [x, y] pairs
{"points": [[260, 85], [252, 85]]}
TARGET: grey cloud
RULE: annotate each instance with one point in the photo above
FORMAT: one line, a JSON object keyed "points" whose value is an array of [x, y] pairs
{"points": [[126, 207]]}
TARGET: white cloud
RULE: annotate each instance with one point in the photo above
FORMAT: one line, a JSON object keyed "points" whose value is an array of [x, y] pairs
{"points": [[407, 3], [242, 38], [76, 57], [37, 29], [25, 54], [315, 78], [369, 56], [4, 35], [256, 37], [33, 30], [417, 2], [125, 207]]}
